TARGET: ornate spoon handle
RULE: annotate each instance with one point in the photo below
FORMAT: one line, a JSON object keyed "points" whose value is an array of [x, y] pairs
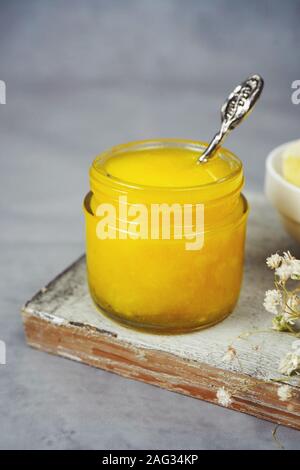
{"points": [[237, 106]]}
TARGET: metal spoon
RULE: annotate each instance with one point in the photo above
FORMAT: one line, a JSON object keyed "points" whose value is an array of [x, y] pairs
{"points": [[237, 106]]}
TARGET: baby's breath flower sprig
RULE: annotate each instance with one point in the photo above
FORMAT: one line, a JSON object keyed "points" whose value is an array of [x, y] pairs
{"points": [[284, 304], [274, 261], [290, 364]]}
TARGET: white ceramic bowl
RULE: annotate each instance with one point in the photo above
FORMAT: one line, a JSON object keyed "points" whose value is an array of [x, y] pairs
{"points": [[284, 196]]}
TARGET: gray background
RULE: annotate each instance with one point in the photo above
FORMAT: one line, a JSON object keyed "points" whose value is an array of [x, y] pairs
{"points": [[84, 75]]}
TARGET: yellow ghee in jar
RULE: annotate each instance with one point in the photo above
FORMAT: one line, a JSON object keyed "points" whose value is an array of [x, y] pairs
{"points": [[159, 284]]}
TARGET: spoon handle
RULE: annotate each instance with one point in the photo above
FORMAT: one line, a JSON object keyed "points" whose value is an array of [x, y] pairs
{"points": [[238, 105]]}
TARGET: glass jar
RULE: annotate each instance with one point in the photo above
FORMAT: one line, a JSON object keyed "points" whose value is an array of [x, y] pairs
{"points": [[154, 273]]}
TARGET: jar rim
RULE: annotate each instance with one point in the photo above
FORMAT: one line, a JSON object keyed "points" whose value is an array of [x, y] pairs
{"points": [[100, 175]]}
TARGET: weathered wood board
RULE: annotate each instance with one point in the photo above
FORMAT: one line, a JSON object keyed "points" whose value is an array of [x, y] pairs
{"points": [[62, 320]]}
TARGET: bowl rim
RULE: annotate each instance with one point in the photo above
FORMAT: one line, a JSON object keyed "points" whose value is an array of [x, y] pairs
{"points": [[271, 170]]}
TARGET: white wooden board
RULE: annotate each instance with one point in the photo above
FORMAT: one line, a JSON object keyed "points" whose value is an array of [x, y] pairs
{"points": [[65, 305]]}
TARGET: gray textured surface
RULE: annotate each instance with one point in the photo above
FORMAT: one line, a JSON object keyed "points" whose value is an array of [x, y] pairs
{"points": [[49, 402], [82, 76]]}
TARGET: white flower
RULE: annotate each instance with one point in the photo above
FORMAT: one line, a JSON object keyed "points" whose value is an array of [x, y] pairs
{"points": [[289, 268], [273, 299], [287, 256], [224, 397], [284, 272], [290, 364], [295, 267], [284, 392], [274, 261]]}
